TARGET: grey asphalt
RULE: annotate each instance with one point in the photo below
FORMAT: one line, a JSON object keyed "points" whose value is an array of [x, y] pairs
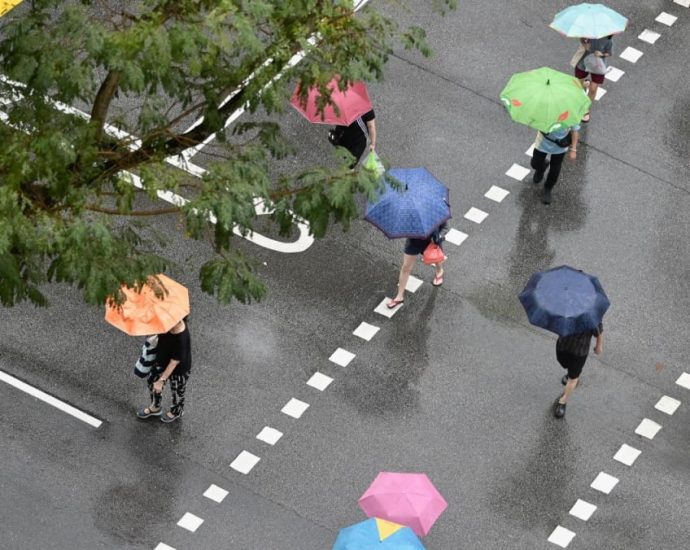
{"points": [[457, 384]]}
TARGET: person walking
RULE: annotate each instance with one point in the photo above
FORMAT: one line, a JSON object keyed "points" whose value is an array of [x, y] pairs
{"points": [[571, 353], [592, 65], [355, 136], [413, 248], [174, 364], [556, 144]]}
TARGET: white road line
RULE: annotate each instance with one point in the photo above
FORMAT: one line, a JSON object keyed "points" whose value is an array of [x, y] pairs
{"points": [[631, 54], [475, 215], [43, 396], [649, 36], [341, 357], [244, 462], [190, 522], [666, 18], [561, 537], [456, 237], [295, 408], [163, 546], [517, 172], [215, 493], [496, 193], [604, 483], [627, 455], [614, 74], [582, 509], [269, 435], [667, 405], [648, 428], [319, 381], [365, 331]]}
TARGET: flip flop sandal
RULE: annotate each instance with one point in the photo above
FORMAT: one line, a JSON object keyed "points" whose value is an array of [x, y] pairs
{"points": [[141, 413], [438, 281], [167, 418], [394, 303], [585, 118]]}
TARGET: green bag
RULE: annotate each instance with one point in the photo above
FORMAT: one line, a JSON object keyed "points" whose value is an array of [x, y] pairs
{"points": [[373, 163]]}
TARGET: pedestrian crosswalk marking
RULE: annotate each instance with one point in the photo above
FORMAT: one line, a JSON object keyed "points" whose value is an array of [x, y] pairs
{"points": [[614, 74], [631, 54], [561, 537], [319, 381], [582, 510], [667, 405], [295, 408], [684, 380], [244, 462], [413, 284], [627, 455], [269, 435], [496, 193], [517, 172], [456, 237], [475, 215], [215, 493], [666, 18], [649, 36], [604, 483], [341, 357], [647, 428], [365, 331], [190, 522]]}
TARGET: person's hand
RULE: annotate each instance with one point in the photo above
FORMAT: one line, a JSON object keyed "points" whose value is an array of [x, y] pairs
{"points": [[158, 386], [598, 350], [572, 154], [372, 147], [598, 53]]}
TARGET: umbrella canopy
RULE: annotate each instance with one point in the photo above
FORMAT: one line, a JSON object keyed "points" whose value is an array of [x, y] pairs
{"points": [[408, 499], [545, 99], [143, 313], [414, 211], [377, 534], [588, 21], [352, 102], [564, 300]]}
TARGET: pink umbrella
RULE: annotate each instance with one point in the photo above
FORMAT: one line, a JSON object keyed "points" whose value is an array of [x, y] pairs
{"points": [[408, 499], [352, 102]]}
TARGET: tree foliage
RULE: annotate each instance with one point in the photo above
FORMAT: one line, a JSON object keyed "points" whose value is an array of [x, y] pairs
{"points": [[143, 74]]}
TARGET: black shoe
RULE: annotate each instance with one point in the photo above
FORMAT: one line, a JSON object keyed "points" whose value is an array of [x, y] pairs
{"points": [[538, 176], [546, 198], [564, 380], [559, 409]]}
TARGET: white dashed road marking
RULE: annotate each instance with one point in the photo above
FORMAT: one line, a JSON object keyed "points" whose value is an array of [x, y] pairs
{"points": [[530, 151], [631, 54], [341, 357], [269, 435], [517, 172], [475, 215], [413, 284], [365, 331], [582, 510], [190, 522], [561, 537], [50, 400], [627, 455], [496, 193], [215, 493], [684, 380], [456, 237], [667, 405], [684, 3], [649, 36], [383, 309], [604, 483], [666, 18], [613, 74], [163, 546], [244, 462], [648, 428], [295, 408], [319, 381], [600, 93]]}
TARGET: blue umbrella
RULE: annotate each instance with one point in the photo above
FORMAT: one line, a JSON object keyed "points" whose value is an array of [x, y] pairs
{"points": [[564, 300], [588, 21], [414, 211], [376, 534]]}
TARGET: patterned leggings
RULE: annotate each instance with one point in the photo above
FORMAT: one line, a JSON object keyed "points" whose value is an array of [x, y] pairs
{"points": [[178, 385]]}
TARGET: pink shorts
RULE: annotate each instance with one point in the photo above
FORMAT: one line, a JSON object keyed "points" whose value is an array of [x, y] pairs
{"points": [[598, 78]]}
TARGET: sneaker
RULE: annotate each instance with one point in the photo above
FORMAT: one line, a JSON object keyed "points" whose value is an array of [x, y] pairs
{"points": [[546, 198], [538, 176], [559, 409]]}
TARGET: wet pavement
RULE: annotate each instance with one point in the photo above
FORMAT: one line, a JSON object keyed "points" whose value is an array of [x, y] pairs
{"points": [[456, 384]]}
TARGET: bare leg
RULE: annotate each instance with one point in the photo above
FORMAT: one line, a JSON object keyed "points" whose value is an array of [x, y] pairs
{"points": [[439, 269], [569, 387], [592, 93], [405, 270]]}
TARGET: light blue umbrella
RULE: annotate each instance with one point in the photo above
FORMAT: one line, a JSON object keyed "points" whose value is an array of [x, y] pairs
{"points": [[414, 211], [367, 536], [588, 21]]}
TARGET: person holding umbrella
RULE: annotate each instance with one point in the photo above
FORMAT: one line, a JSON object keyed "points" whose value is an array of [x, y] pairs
{"points": [[572, 304], [592, 65], [355, 136], [556, 144]]}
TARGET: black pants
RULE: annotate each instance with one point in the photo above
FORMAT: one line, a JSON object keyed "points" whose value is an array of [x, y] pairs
{"points": [[178, 385], [539, 165]]}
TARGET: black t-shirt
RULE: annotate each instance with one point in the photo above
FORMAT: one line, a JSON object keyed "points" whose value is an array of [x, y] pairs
{"points": [[357, 132], [175, 346]]}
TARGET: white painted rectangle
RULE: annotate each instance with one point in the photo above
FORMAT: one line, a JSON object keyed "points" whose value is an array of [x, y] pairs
{"points": [[269, 435], [582, 509], [496, 193], [475, 215], [627, 455], [517, 172], [244, 462], [341, 357], [319, 381], [667, 405], [561, 537], [295, 408], [684, 3], [365, 331], [648, 428], [600, 93], [614, 74], [684, 380], [649, 36], [163, 546], [456, 237], [383, 309], [413, 284], [190, 522], [50, 400], [604, 483], [631, 54], [666, 18], [215, 493]]}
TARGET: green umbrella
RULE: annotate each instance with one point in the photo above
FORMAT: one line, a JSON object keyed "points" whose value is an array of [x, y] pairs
{"points": [[545, 99]]}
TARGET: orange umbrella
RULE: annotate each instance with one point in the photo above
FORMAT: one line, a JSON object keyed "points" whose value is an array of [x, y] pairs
{"points": [[144, 313]]}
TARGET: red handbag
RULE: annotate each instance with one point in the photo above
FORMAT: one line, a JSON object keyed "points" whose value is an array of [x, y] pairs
{"points": [[433, 254]]}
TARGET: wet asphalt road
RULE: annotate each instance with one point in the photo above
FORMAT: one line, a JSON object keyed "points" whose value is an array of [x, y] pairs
{"points": [[457, 384]]}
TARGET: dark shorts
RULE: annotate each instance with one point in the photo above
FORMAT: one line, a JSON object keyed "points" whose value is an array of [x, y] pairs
{"points": [[573, 363], [414, 247], [597, 78]]}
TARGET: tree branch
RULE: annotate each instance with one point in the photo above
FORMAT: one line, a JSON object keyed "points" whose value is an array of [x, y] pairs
{"points": [[101, 104], [114, 212]]}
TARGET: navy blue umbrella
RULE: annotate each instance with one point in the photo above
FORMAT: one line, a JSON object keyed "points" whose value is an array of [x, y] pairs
{"points": [[564, 300], [414, 211]]}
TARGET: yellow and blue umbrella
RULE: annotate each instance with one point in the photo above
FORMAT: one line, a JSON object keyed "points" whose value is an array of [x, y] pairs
{"points": [[377, 534], [588, 21]]}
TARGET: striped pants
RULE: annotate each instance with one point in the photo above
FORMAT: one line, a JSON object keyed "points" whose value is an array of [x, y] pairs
{"points": [[178, 385]]}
